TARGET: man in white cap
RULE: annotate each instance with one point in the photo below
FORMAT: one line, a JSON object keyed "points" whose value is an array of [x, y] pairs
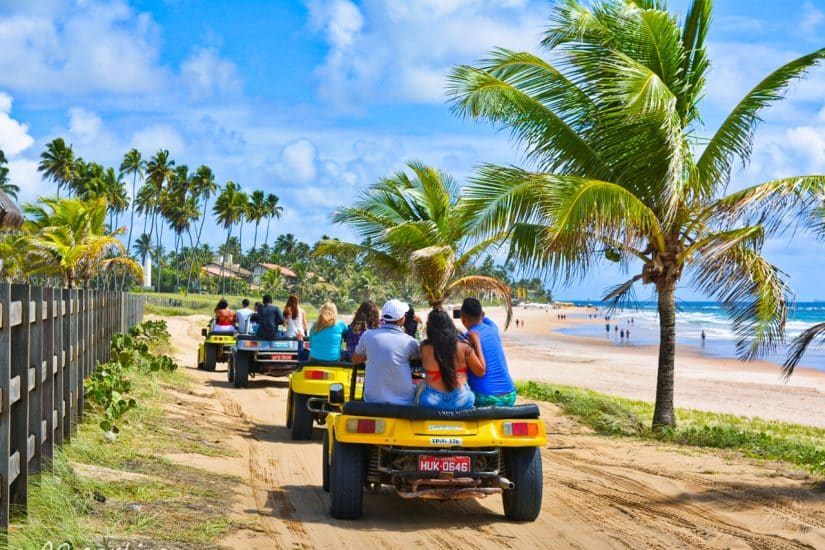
{"points": [[387, 351]]}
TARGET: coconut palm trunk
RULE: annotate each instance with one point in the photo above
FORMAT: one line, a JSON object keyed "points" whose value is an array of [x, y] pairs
{"points": [[663, 414]]}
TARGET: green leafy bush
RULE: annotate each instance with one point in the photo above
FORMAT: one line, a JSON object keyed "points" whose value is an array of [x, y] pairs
{"points": [[107, 389]]}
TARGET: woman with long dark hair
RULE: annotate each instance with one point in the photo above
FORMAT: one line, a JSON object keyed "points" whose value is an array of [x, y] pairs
{"points": [[446, 359], [224, 320], [367, 317], [295, 322]]}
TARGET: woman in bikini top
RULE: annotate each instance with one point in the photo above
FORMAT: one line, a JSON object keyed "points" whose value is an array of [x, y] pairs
{"points": [[446, 359]]}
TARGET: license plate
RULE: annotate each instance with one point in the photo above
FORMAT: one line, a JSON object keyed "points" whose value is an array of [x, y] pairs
{"points": [[281, 357], [457, 464]]}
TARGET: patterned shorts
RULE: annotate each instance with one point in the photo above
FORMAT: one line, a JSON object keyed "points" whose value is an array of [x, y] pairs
{"points": [[503, 400]]}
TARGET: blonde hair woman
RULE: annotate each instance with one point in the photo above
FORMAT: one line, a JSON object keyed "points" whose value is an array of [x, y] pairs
{"points": [[326, 334]]}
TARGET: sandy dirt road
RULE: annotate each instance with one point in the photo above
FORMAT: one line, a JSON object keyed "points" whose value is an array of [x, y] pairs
{"points": [[598, 492]]}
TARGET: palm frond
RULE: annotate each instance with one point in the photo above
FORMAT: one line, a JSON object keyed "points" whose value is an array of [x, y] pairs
{"points": [[800, 346], [622, 294], [733, 139], [752, 291], [480, 283]]}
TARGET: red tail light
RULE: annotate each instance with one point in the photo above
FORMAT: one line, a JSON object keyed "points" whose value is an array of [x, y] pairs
{"points": [[365, 425], [521, 428], [317, 375]]}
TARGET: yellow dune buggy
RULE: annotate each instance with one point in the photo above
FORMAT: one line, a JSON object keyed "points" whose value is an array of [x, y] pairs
{"points": [[308, 390], [433, 454], [214, 349]]}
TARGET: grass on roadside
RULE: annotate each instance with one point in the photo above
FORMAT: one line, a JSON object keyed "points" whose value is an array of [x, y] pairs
{"points": [[754, 437], [168, 503]]}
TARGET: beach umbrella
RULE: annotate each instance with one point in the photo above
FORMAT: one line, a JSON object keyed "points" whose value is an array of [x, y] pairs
{"points": [[10, 216]]}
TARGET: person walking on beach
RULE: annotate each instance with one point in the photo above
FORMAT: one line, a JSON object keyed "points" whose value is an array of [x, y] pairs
{"points": [[703, 337], [621, 334]]}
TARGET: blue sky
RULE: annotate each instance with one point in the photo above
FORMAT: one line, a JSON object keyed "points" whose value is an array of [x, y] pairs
{"points": [[314, 100]]}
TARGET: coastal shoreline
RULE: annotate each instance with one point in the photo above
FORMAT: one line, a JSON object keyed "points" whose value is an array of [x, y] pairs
{"points": [[536, 351]]}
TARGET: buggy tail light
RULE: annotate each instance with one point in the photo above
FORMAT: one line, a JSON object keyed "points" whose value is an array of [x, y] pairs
{"points": [[317, 375], [516, 429], [365, 425], [250, 344]]}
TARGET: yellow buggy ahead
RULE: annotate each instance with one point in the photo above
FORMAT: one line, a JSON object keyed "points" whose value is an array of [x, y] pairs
{"points": [[214, 349], [434, 454]]}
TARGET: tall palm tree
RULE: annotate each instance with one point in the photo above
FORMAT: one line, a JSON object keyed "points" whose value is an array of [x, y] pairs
{"points": [[116, 197], [158, 171], [203, 186], [610, 126], [418, 226], [142, 247], [67, 238], [133, 164], [228, 210], [273, 210], [256, 211], [5, 186], [57, 163]]}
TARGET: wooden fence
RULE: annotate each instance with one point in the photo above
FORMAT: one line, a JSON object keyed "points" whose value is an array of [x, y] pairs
{"points": [[51, 339]]}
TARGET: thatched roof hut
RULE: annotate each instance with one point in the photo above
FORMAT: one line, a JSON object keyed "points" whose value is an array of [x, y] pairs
{"points": [[10, 216]]}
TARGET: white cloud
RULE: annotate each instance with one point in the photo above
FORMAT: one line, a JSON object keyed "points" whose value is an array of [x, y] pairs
{"points": [[84, 124], [299, 161], [14, 136], [23, 173], [206, 75], [396, 51], [809, 143], [812, 18], [155, 138], [91, 47]]}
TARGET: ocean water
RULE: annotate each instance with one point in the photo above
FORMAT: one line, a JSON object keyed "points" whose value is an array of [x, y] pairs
{"points": [[691, 319]]}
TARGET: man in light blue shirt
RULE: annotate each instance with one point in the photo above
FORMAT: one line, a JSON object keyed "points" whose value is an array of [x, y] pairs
{"points": [[387, 351], [242, 317]]}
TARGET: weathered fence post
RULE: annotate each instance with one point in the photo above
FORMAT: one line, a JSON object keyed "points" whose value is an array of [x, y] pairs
{"points": [[35, 379], [18, 398], [47, 377], [61, 346], [5, 417]]}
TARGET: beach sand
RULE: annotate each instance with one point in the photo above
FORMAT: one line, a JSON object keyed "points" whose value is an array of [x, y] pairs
{"points": [[756, 388]]}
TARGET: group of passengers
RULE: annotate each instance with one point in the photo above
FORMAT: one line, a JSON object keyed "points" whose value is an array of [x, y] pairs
{"points": [[462, 370]]}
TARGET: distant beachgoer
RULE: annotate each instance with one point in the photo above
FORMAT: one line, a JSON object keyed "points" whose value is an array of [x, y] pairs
{"points": [[615, 328], [703, 336], [621, 334], [607, 327], [627, 334]]}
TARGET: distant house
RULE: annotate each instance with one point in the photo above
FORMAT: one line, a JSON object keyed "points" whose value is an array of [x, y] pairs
{"points": [[232, 271], [258, 271]]}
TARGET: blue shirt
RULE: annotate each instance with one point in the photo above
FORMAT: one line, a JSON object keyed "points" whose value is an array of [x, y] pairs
{"points": [[388, 378], [496, 380], [325, 345]]}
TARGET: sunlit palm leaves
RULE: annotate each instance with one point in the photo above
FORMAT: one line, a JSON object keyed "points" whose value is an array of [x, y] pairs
{"points": [[608, 123], [416, 225]]}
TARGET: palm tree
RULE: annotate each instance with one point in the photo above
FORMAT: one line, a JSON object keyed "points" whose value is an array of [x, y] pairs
{"points": [[158, 172], [272, 211], [180, 208], [116, 197], [203, 186], [5, 186], [67, 238], [142, 247], [57, 163], [229, 210], [133, 164], [611, 132], [417, 226], [256, 211]]}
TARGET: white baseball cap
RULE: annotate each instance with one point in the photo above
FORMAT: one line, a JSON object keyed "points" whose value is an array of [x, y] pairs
{"points": [[394, 310]]}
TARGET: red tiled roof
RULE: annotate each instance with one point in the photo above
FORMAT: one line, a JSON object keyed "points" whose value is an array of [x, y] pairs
{"points": [[285, 271]]}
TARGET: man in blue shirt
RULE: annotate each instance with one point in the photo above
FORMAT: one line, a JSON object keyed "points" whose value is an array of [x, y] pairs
{"points": [[387, 351], [495, 388]]}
